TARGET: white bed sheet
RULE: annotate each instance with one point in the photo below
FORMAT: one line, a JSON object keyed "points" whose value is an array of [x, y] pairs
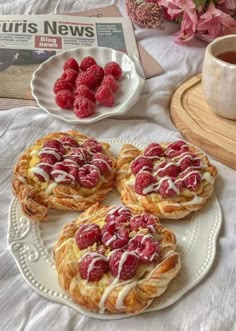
{"points": [[211, 304]]}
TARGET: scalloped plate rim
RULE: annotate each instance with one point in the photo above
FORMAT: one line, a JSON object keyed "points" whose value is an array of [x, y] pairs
{"points": [[110, 316]]}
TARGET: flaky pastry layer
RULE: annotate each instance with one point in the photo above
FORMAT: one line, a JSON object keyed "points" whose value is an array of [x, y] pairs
{"points": [[175, 207], [129, 297], [36, 197]]}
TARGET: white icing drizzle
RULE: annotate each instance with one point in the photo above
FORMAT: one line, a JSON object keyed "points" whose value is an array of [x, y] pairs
{"points": [[109, 241], [122, 171], [170, 183], [115, 282], [150, 151], [144, 237], [22, 179], [69, 162], [119, 210], [94, 168], [71, 196], [103, 161], [164, 168], [51, 151], [196, 200], [44, 164], [122, 294], [34, 152], [148, 189], [80, 153], [189, 156], [85, 227], [187, 174], [208, 177], [126, 156], [50, 188], [173, 150], [41, 172], [92, 264], [63, 175]]}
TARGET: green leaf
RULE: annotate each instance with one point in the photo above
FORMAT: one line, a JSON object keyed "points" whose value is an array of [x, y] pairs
{"points": [[199, 3]]}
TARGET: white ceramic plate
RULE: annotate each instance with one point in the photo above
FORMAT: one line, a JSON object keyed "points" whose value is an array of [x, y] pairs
{"points": [[31, 245], [131, 83]]}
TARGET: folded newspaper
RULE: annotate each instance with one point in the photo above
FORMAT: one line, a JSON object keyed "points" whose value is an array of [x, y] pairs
{"points": [[28, 40]]}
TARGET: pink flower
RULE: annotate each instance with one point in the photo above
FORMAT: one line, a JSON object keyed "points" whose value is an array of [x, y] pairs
{"points": [[188, 27], [213, 23], [228, 6], [176, 8]]}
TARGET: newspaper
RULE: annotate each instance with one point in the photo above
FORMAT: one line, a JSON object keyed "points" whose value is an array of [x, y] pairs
{"points": [[28, 40]]}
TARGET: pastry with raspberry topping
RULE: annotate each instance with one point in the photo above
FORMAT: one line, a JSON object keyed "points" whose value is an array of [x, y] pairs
{"points": [[110, 260], [63, 170], [169, 180]]}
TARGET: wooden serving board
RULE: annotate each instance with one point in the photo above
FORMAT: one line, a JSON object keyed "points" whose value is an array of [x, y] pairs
{"points": [[194, 119]]}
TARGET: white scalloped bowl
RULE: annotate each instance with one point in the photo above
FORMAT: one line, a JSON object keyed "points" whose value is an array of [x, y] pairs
{"points": [[131, 84]]}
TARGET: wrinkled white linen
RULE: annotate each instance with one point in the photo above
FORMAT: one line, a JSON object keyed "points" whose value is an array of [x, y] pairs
{"points": [[208, 306]]}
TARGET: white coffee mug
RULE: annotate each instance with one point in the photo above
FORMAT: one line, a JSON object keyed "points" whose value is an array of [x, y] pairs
{"points": [[219, 76]]}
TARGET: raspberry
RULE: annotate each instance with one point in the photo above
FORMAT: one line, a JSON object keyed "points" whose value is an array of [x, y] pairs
{"points": [[88, 176], [165, 189], [102, 162], [46, 167], [188, 160], [71, 63], [87, 235], [144, 183], [93, 266], [51, 153], [69, 75], [47, 159], [73, 168], [104, 96], [114, 69], [84, 91], [123, 265], [154, 150], [68, 141], [97, 72], [185, 163], [65, 99], [92, 145], [196, 164], [60, 174], [141, 163], [146, 247], [87, 62], [88, 79], [176, 148], [192, 180], [61, 84], [54, 144], [143, 221], [114, 235], [167, 169], [83, 107], [110, 81], [79, 155], [119, 215]]}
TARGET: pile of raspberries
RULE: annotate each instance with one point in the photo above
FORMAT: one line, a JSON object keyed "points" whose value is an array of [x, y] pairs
{"points": [[82, 85]]}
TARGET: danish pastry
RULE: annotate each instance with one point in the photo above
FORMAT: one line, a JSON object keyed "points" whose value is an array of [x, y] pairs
{"points": [[63, 170], [111, 260], [169, 180]]}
